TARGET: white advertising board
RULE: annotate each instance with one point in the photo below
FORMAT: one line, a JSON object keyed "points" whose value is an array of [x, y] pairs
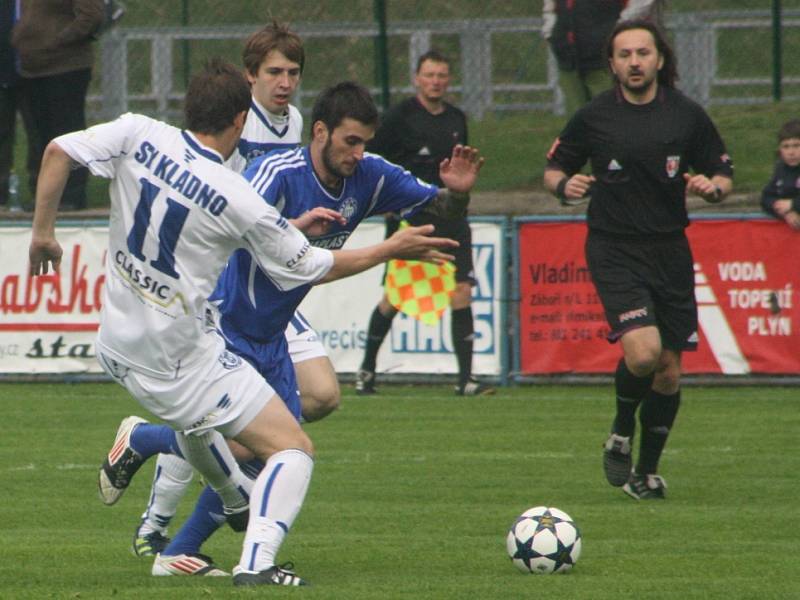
{"points": [[340, 313]]}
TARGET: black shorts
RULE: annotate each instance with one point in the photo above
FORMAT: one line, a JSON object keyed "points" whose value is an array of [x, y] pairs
{"points": [[646, 282], [457, 230]]}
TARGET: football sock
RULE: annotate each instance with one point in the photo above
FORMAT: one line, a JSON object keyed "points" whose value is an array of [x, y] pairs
{"points": [[208, 452], [277, 496], [148, 439], [207, 517], [462, 329], [630, 391], [379, 326], [170, 482], [657, 416]]}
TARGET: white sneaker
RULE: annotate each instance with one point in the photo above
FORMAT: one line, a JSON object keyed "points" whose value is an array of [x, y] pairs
{"points": [[121, 463], [186, 564]]}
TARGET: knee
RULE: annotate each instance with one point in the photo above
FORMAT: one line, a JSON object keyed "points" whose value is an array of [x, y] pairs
{"points": [[319, 403], [642, 363], [667, 379], [305, 444]]}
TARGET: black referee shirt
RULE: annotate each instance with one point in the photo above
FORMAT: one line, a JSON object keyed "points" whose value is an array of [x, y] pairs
{"points": [[415, 139], [638, 155]]}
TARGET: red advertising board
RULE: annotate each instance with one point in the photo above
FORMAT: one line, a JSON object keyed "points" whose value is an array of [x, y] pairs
{"points": [[746, 277]]}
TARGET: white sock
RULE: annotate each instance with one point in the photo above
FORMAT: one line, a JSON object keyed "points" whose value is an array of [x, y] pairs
{"points": [[277, 496], [208, 452], [170, 482]]}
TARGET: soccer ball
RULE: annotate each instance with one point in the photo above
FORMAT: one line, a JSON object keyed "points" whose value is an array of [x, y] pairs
{"points": [[544, 540]]}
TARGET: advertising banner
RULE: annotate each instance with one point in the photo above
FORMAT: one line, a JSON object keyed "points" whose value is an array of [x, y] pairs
{"points": [[746, 289], [48, 323], [340, 313]]}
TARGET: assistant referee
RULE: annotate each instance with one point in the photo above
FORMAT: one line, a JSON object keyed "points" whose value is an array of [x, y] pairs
{"points": [[648, 145]]}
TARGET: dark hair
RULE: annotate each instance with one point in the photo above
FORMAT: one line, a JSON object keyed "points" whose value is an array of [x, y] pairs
{"points": [[432, 55], [789, 130], [345, 100], [274, 36], [214, 97], [668, 74]]}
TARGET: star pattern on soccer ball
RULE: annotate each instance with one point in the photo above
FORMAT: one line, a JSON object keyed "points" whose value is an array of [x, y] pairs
{"points": [[524, 551], [547, 520], [562, 556]]}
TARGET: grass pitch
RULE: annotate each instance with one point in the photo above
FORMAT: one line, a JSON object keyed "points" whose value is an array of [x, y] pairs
{"points": [[413, 493]]}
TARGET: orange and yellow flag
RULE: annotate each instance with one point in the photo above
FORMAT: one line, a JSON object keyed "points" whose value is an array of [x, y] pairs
{"points": [[420, 289]]}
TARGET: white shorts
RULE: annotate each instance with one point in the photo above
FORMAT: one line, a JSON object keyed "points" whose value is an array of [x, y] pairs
{"points": [[304, 343], [223, 392]]}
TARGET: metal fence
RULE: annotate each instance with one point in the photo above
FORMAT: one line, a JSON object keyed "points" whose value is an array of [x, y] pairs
{"points": [[500, 64]]}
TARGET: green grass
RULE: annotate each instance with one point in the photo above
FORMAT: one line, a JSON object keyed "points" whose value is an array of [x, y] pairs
{"points": [[414, 490]]}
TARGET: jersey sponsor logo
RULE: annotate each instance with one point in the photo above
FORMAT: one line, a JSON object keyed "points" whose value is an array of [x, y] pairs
{"points": [[331, 242], [348, 208], [673, 165], [293, 262], [424, 151], [614, 165], [146, 286], [636, 313]]}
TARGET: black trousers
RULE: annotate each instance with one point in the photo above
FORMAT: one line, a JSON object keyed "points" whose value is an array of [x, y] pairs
{"points": [[58, 106], [13, 100]]}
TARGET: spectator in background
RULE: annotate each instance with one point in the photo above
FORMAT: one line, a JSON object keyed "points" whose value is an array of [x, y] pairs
{"points": [[577, 32], [781, 196], [12, 100], [53, 39]]}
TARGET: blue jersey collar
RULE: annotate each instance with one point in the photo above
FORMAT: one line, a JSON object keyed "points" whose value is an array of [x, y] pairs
{"points": [[202, 150]]}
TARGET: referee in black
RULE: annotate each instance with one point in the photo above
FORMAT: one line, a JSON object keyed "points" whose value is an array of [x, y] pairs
{"points": [[418, 134], [648, 146]]}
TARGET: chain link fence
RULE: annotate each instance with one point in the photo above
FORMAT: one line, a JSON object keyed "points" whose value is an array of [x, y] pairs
{"points": [[500, 61]]}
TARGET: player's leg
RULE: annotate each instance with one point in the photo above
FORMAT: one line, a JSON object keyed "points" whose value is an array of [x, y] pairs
{"points": [[275, 437], [316, 377], [171, 479], [462, 325], [380, 322], [182, 555]]}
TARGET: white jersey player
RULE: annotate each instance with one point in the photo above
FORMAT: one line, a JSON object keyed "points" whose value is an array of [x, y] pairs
{"points": [[176, 215]]}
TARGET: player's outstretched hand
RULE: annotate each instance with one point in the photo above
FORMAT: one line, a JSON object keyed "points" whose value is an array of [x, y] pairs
{"points": [[42, 254], [416, 243], [317, 221], [460, 171]]}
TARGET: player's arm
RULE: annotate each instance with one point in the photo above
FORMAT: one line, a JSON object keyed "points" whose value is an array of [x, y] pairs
{"points": [[53, 174], [411, 243], [459, 174]]}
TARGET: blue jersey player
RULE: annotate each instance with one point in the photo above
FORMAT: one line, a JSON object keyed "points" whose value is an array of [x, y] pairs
{"points": [[325, 189]]}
